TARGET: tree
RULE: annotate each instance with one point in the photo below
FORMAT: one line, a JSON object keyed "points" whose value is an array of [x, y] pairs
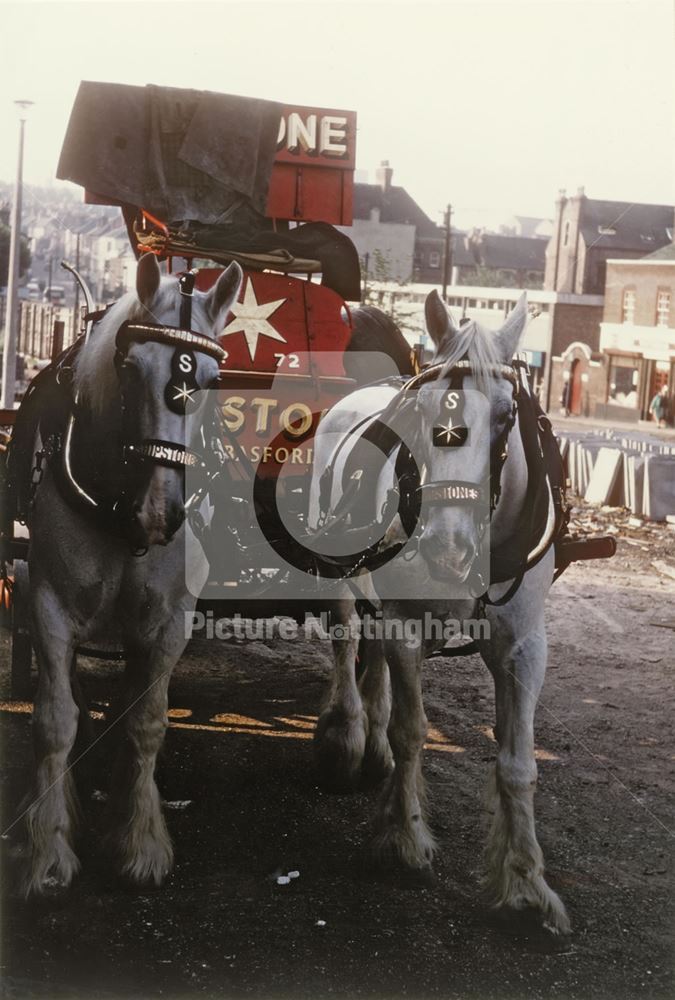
{"points": [[24, 254], [391, 295]]}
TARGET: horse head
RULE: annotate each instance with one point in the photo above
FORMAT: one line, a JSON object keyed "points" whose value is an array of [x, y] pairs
{"points": [[160, 385], [143, 369], [465, 416]]}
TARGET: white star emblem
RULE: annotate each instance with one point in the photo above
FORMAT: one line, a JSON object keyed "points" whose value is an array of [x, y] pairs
{"points": [[252, 319], [184, 394], [450, 433]]}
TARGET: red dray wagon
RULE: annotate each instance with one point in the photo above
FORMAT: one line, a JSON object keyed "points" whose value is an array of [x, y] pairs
{"points": [[205, 178]]}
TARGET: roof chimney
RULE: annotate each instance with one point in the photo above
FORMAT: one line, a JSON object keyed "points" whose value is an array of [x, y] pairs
{"points": [[383, 175]]}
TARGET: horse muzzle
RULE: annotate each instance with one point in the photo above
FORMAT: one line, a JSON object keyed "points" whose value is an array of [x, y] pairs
{"points": [[448, 560], [159, 511], [148, 530]]}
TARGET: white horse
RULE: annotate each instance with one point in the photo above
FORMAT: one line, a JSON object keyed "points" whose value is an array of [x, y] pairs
{"points": [[108, 550], [367, 716]]}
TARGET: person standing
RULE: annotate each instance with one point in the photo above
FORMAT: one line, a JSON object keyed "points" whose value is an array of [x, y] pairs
{"points": [[660, 407], [566, 396]]}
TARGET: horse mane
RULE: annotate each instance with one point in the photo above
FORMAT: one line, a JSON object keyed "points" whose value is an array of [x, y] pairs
{"points": [[479, 346], [95, 379]]}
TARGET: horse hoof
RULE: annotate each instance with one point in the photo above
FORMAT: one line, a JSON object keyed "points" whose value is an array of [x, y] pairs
{"points": [[333, 776], [376, 768], [132, 885], [339, 746], [145, 873], [403, 849], [530, 926], [53, 888], [48, 889], [47, 878]]}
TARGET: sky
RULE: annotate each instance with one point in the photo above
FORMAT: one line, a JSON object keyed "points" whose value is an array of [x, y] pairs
{"points": [[492, 107]]}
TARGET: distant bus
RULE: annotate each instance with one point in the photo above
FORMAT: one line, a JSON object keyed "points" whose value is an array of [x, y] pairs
{"points": [[56, 294], [33, 291]]}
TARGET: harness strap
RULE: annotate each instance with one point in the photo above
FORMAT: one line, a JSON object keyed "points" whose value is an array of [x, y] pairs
{"points": [[548, 485], [464, 367], [186, 285]]}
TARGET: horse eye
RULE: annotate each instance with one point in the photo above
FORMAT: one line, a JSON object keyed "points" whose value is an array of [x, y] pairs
{"points": [[130, 368]]}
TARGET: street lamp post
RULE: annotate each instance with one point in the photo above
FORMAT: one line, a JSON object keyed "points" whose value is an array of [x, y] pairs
{"points": [[447, 254], [9, 352]]}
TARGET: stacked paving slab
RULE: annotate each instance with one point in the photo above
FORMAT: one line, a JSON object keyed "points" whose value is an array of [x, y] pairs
{"points": [[622, 469]]}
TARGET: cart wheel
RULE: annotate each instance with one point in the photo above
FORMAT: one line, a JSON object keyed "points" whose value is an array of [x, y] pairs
{"points": [[21, 645]]}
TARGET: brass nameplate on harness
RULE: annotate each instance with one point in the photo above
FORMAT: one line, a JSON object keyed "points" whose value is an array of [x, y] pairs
{"points": [[450, 493], [164, 454]]}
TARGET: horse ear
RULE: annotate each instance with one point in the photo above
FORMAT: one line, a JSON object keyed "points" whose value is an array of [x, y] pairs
{"points": [[439, 323], [511, 333], [147, 278], [225, 291]]}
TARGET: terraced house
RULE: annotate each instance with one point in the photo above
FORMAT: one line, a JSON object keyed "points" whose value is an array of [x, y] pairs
{"points": [[637, 333], [595, 245]]}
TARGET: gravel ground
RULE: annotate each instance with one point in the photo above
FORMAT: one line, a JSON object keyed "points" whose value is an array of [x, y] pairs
{"points": [[243, 806]]}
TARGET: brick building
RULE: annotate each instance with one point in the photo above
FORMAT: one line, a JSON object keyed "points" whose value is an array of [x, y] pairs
{"points": [[637, 334], [389, 228], [588, 234], [399, 242], [495, 259]]}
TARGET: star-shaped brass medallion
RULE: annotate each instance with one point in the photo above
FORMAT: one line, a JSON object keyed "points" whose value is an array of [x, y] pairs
{"points": [[450, 436], [184, 394]]}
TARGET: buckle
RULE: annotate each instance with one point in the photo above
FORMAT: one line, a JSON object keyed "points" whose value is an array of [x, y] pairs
{"points": [[186, 282]]}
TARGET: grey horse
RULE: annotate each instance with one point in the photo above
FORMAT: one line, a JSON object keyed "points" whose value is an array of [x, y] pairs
{"points": [[379, 713], [89, 573]]}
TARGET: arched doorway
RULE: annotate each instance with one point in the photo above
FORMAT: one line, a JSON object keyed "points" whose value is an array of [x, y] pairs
{"points": [[575, 387]]}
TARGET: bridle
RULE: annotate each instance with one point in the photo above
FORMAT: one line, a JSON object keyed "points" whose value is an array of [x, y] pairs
{"points": [[179, 392], [482, 497], [409, 492], [509, 561], [179, 397]]}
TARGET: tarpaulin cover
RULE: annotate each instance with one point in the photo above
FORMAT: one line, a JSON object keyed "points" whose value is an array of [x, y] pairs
{"points": [[180, 154]]}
